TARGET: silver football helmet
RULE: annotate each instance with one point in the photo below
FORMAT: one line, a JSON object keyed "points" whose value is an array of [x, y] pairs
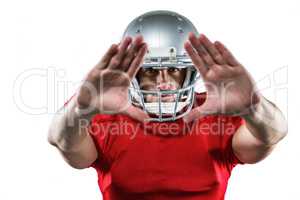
{"points": [[165, 33]]}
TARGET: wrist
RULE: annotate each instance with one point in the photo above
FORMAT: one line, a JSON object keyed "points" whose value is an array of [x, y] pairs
{"points": [[79, 111], [85, 113], [256, 109], [74, 113]]}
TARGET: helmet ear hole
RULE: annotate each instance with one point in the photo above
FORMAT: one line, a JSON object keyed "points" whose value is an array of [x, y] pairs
{"points": [[185, 70], [137, 76]]}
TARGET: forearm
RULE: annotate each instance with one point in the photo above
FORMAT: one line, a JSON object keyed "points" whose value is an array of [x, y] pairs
{"points": [[266, 122], [68, 128]]}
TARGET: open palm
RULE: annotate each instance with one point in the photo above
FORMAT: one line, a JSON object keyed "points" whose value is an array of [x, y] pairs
{"points": [[105, 87], [230, 88]]}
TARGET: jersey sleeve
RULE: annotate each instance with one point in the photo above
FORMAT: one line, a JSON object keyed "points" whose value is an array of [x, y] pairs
{"points": [[232, 125], [221, 130], [98, 129]]}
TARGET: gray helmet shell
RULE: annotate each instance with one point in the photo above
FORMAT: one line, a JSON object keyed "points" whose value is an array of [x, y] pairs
{"points": [[165, 33]]}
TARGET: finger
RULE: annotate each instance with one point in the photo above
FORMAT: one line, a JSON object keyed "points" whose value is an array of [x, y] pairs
{"points": [[107, 56], [197, 113], [227, 55], [137, 113], [117, 59], [212, 50], [196, 59], [134, 48], [201, 49], [194, 114], [136, 63]]}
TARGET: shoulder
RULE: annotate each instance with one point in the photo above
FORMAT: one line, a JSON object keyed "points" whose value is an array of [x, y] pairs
{"points": [[101, 124]]}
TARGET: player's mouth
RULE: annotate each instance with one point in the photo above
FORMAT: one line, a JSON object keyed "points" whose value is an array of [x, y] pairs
{"points": [[168, 97], [164, 98]]}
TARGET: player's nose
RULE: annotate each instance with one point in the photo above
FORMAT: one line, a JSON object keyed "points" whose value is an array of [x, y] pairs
{"points": [[163, 76]]}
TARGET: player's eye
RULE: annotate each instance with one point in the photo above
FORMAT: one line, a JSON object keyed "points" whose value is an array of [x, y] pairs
{"points": [[173, 69], [151, 71]]}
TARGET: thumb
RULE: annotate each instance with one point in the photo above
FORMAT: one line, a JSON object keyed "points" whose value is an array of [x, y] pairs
{"points": [[137, 113], [199, 112]]}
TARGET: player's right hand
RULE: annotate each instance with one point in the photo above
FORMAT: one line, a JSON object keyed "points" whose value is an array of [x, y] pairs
{"points": [[105, 88]]}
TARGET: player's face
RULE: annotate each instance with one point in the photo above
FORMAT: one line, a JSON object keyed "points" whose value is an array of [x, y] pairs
{"points": [[161, 79]]}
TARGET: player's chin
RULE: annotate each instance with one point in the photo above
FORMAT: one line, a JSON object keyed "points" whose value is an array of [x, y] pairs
{"points": [[164, 98]]}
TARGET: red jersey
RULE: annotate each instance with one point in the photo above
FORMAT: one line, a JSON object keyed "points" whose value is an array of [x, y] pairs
{"points": [[164, 161]]}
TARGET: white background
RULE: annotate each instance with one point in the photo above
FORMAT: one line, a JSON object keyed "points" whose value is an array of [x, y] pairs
{"points": [[69, 37]]}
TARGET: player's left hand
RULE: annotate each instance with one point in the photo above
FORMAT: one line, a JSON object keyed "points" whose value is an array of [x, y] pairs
{"points": [[229, 87]]}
